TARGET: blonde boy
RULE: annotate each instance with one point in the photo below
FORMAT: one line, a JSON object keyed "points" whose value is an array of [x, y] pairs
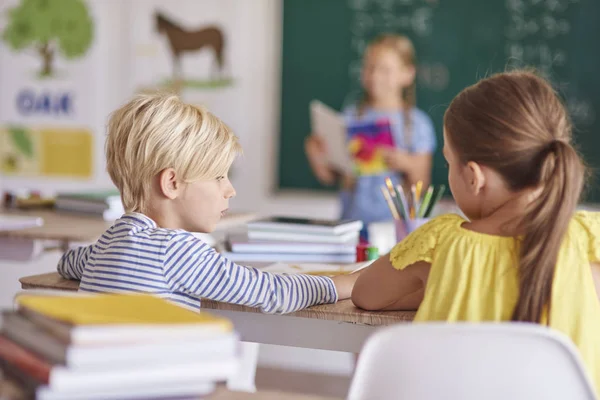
{"points": [[170, 162]]}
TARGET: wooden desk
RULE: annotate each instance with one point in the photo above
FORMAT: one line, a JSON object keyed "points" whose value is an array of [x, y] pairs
{"points": [[67, 227], [9, 391], [340, 326]]}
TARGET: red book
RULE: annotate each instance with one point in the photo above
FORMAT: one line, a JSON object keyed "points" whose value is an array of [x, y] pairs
{"points": [[24, 360]]}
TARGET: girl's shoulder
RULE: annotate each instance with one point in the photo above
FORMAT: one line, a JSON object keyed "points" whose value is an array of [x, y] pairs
{"points": [[421, 244], [358, 111], [421, 116], [585, 228]]}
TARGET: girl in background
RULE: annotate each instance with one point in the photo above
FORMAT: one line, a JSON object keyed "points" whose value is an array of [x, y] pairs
{"points": [[388, 78]]}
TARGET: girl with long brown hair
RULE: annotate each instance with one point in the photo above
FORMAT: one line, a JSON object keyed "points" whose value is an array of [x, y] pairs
{"points": [[524, 253]]}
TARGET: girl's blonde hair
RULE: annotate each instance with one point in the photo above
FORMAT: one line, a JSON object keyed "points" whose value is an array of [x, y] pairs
{"points": [[404, 48], [515, 123], [153, 132]]}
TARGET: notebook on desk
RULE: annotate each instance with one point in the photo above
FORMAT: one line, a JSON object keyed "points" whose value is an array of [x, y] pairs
{"points": [[16, 222], [305, 225], [316, 269]]}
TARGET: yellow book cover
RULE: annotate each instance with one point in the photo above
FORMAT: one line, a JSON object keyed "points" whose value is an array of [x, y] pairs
{"points": [[118, 309]]}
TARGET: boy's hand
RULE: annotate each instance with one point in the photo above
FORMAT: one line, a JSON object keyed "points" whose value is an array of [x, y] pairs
{"points": [[316, 152], [395, 159], [345, 283]]}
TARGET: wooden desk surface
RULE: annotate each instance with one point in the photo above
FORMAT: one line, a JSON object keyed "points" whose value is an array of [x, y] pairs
{"points": [[68, 227], [9, 391], [342, 311]]}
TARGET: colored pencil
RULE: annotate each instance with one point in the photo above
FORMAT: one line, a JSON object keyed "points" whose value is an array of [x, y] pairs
{"points": [[437, 198], [390, 202], [425, 203]]}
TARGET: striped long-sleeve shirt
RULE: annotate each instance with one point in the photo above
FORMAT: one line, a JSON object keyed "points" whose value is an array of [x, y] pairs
{"points": [[135, 255]]}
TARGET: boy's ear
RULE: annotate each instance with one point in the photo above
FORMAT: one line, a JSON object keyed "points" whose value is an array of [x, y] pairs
{"points": [[475, 177], [169, 184]]}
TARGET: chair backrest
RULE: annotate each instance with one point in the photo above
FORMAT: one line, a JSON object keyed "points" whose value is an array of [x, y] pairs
{"points": [[470, 361]]}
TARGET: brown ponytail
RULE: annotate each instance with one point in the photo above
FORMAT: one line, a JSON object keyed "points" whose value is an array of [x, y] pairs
{"points": [[545, 224], [515, 124]]}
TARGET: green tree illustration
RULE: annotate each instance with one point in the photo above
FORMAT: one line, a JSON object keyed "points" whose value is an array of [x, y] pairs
{"points": [[50, 27]]}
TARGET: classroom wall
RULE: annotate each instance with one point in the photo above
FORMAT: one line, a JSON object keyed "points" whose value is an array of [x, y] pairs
{"points": [[258, 39], [256, 45]]}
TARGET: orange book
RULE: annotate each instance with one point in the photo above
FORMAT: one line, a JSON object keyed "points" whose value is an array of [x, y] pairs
{"points": [[27, 362]]}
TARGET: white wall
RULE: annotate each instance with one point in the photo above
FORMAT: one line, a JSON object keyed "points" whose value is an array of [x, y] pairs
{"points": [[259, 36]]}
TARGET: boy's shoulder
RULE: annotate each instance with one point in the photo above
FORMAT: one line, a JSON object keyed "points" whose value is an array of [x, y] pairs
{"points": [[141, 226]]}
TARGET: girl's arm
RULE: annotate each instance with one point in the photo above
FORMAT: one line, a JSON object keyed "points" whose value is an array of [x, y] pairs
{"points": [[317, 158], [382, 287], [415, 166]]}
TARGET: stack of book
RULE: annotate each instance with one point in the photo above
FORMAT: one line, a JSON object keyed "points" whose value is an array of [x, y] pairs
{"points": [[296, 239], [113, 346], [105, 204]]}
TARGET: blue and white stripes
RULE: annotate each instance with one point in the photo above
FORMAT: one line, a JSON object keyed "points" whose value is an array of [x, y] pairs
{"points": [[134, 255]]}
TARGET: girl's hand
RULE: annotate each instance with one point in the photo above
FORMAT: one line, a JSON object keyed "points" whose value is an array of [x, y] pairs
{"points": [[316, 152], [395, 159]]}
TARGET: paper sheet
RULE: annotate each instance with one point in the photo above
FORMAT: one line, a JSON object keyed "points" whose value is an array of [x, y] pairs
{"points": [[315, 269]]}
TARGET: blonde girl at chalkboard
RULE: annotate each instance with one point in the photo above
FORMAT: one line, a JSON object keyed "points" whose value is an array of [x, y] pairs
{"points": [[388, 79]]}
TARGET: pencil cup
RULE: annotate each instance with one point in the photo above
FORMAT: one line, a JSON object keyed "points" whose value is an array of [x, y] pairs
{"points": [[404, 227]]}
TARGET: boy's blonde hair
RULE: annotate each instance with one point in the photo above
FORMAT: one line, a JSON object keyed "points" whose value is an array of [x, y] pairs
{"points": [[153, 132]]}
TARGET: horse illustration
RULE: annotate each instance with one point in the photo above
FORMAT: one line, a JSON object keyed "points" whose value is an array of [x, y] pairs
{"points": [[181, 41]]}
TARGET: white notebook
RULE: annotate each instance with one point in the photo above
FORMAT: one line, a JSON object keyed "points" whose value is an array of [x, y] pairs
{"points": [[319, 268], [346, 238], [16, 222], [329, 125], [276, 257]]}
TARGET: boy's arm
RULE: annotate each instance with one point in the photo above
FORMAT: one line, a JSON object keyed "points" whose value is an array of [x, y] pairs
{"points": [[194, 268], [72, 263]]}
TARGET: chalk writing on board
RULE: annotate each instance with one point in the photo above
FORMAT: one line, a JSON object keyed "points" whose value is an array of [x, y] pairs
{"points": [[369, 17], [532, 32], [434, 76]]}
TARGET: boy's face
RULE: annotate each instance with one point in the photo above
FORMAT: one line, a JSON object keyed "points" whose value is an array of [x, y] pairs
{"points": [[203, 203]]}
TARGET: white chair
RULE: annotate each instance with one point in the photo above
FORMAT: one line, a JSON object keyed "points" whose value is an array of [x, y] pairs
{"points": [[470, 361]]}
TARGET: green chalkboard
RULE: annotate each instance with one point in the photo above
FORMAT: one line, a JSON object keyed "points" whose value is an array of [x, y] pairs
{"points": [[457, 43]]}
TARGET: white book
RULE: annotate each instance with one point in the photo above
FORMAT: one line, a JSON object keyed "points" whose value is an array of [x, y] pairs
{"points": [[274, 257], [305, 225], [149, 390], [64, 379], [240, 244], [347, 238], [17, 222], [322, 269], [330, 126], [111, 334], [31, 336]]}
